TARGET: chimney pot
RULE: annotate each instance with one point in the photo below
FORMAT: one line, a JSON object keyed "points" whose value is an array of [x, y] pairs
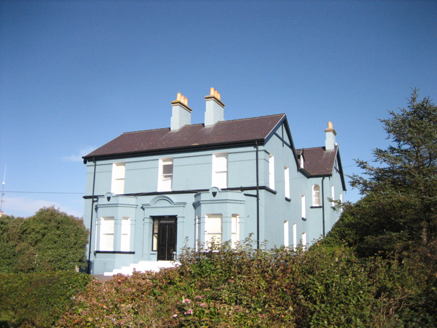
{"points": [[211, 92]]}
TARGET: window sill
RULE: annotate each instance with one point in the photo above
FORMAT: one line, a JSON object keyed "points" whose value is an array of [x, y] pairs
{"points": [[271, 190], [319, 206], [112, 252], [288, 199]]}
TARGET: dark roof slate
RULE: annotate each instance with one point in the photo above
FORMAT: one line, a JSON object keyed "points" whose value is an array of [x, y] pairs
{"points": [[318, 161], [190, 136]]}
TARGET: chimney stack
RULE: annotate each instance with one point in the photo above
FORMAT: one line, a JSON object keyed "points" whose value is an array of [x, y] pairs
{"points": [[214, 108], [330, 137], [181, 113]]}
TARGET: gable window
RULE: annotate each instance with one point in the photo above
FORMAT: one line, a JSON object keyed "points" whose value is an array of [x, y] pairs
{"points": [[213, 231], [165, 179], [125, 235], [287, 182], [235, 230], [316, 195], [301, 161], [332, 195], [272, 172], [118, 173], [304, 215], [220, 170], [107, 234], [286, 233]]}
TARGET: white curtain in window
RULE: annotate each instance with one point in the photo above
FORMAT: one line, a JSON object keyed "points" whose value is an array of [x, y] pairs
{"points": [[316, 195], [125, 235], [107, 234], [118, 174], [220, 170], [287, 181], [213, 228], [235, 230], [272, 172]]}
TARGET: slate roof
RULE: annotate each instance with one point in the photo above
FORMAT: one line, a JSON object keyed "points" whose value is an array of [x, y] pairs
{"points": [[190, 136], [318, 161]]}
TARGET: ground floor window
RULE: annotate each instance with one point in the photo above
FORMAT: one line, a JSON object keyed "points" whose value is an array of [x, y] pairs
{"points": [[107, 234], [125, 234], [213, 229], [235, 230]]}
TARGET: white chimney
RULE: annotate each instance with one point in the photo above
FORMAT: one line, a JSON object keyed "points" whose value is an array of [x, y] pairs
{"points": [[214, 108], [330, 137], [181, 113]]}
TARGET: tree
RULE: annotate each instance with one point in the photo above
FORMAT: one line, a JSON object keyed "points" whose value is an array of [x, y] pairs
{"points": [[399, 207], [48, 241]]}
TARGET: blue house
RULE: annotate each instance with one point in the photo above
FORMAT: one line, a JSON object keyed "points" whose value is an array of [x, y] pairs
{"points": [[148, 193]]}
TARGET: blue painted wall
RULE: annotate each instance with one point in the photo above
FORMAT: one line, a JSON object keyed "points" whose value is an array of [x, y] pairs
{"points": [[192, 171]]}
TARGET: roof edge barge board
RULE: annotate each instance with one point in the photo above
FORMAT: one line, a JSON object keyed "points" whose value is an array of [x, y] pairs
{"points": [[174, 150]]}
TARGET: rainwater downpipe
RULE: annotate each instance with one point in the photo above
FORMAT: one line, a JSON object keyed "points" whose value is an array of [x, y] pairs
{"points": [[91, 221], [323, 205], [257, 197]]}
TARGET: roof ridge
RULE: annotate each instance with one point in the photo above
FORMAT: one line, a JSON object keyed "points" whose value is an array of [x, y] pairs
{"points": [[251, 118]]}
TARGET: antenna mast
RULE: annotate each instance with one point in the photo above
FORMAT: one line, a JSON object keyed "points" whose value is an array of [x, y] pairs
{"points": [[3, 189]]}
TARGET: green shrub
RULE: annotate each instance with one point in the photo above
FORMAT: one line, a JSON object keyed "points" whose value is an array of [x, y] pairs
{"points": [[38, 299], [245, 287]]}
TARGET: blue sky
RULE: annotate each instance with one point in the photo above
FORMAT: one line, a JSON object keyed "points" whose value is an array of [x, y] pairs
{"points": [[76, 74]]}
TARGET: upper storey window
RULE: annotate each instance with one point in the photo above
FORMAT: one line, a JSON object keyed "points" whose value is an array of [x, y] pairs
{"points": [[118, 173], [316, 195], [220, 170], [287, 181], [165, 178], [272, 172]]}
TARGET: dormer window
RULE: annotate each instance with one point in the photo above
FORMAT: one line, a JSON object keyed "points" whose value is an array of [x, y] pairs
{"points": [[165, 179], [220, 170], [118, 173]]}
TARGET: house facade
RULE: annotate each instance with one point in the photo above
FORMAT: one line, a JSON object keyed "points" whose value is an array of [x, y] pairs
{"points": [[149, 193]]}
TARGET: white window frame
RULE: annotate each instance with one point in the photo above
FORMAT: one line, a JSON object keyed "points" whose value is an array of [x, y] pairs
{"points": [[271, 172], [211, 231], [332, 195], [341, 201], [118, 176], [287, 181], [316, 195], [301, 162], [235, 230], [286, 235], [107, 227], [165, 178], [304, 241], [125, 234], [303, 205], [294, 236], [220, 171]]}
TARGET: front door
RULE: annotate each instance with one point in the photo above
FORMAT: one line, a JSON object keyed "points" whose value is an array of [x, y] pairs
{"points": [[167, 231]]}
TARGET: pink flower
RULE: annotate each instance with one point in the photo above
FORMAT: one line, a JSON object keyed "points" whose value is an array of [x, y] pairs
{"points": [[174, 316], [198, 297], [190, 312], [202, 304], [187, 301]]}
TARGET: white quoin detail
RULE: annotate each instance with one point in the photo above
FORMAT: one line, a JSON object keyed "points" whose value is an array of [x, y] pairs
{"points": [[214, 108], [181, 113]]}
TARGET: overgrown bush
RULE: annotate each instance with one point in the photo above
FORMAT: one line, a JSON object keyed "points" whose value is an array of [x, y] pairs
{"points": [[227, 287], [38, 299], [48, 241]]}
